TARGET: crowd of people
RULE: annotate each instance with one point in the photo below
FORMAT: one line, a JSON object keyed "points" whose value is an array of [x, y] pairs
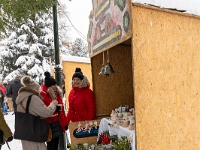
{"points": [[47, 103]]}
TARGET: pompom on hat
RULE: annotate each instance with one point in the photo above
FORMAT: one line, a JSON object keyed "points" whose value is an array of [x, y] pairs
{"points": [[78, 74], [49, 81], [27, 81]]}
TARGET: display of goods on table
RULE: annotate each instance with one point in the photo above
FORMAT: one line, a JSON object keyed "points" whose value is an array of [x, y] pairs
{"points": [[123, 116], [105, 142], [90, 129]]}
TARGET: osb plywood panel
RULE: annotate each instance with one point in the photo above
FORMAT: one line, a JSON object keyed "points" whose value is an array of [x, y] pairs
{"points": [[166, 51], [69, 69], [90, 140], [116, 89]]}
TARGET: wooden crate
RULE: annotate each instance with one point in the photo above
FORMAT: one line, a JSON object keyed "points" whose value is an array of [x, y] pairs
{"points": [[90, 140]]}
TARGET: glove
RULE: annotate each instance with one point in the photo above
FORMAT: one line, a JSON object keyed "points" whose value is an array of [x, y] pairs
{"points": [[66, 127], [10, 139], [58, 108], [68, 145]]}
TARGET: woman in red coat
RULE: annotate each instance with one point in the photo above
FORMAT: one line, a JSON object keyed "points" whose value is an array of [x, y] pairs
{"points": [[81, 99], [50, 91]]}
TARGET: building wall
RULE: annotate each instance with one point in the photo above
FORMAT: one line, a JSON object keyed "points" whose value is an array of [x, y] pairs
{"points": [[166, 71], [69, 67]]}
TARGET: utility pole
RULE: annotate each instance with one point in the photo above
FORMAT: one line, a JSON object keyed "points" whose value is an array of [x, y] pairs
{"points": [[56, 45], [62, 139]]}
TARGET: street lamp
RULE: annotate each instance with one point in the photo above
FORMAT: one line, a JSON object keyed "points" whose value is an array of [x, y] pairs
{"points": [[56, 45]]}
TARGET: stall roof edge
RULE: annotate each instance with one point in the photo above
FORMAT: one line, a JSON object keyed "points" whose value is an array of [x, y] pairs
{"points": [[76, 59], [184, 6]]}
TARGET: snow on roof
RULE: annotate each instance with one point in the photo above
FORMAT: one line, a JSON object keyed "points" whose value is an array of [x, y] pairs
{"points": [[189, 6], [75, 59]]}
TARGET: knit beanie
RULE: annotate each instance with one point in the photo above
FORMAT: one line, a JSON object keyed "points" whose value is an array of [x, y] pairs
{"points": [[27, 81], [49, 81], [78, 74]]}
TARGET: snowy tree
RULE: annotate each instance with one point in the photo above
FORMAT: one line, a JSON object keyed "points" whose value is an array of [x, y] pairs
{"points": [[63, 28], [62, 25], [28, 49], [13, 12], [79, 48]]}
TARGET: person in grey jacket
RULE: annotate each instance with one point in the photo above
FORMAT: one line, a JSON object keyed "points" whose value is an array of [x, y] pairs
{"points": [[37, 108], [13, 90]]}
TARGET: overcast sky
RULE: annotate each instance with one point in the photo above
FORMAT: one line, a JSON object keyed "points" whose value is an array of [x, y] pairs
{"points": [[79, 11]]}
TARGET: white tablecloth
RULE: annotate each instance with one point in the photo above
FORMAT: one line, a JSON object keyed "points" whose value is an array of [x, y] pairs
{"points": [[119, 131]]}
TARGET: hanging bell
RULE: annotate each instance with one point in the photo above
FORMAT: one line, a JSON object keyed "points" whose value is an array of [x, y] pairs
{"points": [[108, 69], [102, 72]]}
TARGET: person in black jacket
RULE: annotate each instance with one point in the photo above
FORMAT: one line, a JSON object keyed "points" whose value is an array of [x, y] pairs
{"points": [[9, 97], [13, 90]]}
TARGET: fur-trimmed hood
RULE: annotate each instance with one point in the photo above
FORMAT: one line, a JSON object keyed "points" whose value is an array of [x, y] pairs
{"points": [[25, 92], [28, 89], [84, 83]]}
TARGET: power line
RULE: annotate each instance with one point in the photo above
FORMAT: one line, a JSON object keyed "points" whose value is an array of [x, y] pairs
{"points": [[81, 34]]}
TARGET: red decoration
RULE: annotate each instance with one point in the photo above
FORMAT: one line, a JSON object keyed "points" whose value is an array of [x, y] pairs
{"points": [[104, 138]]}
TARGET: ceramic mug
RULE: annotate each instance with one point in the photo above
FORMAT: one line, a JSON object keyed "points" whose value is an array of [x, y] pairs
{"points": [[120, 115], [85, 145], [131, 117], [92, 147]]}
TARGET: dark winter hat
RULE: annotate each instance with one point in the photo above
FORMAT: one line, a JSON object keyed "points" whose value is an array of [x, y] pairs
{"points": [[49, 81], [78, 74], [27, 81]]}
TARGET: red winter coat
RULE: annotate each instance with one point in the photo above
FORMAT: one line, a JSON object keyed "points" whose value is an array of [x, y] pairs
{"points": [[81, 103], [56, 116], [3, 89]]}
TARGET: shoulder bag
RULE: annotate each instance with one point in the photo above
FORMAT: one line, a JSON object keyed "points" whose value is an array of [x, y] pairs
{"points": [[56, 129], [29, 127]]}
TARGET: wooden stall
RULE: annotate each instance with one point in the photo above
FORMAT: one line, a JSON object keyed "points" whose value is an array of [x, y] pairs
{"points": [[166, 53], [155, 55], [109, 42]]}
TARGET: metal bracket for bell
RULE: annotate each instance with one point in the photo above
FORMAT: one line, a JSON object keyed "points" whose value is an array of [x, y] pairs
{"points": [[108, 68], [103, 69]]}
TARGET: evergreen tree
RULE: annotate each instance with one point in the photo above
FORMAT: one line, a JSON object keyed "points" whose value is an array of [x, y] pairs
{"points": [[29, 48], [79, 48], [12, 12]]}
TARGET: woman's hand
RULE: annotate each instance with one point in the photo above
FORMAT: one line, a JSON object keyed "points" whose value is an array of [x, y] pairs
{"points": [[55, 102], [10, 139]]}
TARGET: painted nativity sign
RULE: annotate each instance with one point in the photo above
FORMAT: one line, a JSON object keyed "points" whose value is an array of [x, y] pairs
{"points": [[110, 24]]}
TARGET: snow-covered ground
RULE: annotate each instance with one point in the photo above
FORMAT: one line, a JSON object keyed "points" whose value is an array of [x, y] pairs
{"points": [[14, 144]]}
